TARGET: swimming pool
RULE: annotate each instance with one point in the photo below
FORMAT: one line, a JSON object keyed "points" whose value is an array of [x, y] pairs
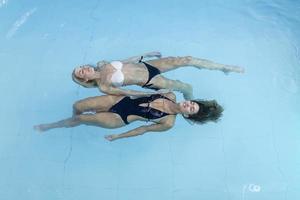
{"points": [[252, 153]]}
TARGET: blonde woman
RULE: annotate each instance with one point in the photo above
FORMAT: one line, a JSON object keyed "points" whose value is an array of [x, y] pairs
{"points": [[109, 77]]}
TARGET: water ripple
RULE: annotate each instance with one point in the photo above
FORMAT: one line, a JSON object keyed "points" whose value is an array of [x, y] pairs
{"points": [[3, 3], [15, 27]]}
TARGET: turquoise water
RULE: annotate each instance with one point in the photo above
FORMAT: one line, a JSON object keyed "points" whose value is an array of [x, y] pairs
{"points": [[252, 153]]}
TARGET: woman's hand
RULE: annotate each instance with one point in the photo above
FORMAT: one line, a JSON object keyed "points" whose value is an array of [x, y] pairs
{"points": [[139, 58], [111, 137], [101, 63], [153, 54]]}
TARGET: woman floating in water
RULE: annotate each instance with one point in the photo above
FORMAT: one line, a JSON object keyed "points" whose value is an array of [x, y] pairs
{"points": [[111, 111], [109, 77]]}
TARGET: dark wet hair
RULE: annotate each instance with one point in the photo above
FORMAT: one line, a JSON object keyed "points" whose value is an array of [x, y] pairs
{"points": [[80, 81], [209, 110]]}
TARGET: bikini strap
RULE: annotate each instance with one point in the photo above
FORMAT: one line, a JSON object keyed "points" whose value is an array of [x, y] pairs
{"points": [[141, 59]]}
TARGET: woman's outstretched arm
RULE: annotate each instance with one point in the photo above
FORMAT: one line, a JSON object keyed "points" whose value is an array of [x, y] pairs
{"points": [[146, 55], [168, 124], [134, 93]]}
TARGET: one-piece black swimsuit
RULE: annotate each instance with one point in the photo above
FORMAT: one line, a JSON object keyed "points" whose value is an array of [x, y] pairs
{"points": [[128, 106]]}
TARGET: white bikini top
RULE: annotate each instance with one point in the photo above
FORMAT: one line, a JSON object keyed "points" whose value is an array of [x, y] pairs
{"points": [[117, 78]]}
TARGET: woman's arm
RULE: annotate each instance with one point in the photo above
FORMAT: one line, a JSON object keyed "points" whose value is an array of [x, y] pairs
{"points": [[134, 93], [146, 55], [143, 129]]}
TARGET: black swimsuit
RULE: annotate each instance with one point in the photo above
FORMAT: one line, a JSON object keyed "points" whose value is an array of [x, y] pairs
{"points": [[153, 71], [128, 106]]}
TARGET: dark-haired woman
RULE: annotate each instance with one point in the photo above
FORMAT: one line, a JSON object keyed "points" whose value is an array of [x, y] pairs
{"points": [[110, 111], [109, 77]]}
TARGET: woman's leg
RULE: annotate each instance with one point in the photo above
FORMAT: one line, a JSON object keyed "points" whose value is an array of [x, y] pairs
{"points": [[162, 82], [171, 63], [103, 119], [95, 104]]}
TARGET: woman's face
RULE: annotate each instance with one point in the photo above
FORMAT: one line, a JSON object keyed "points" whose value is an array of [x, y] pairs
{"points": [[189, 107], [85, 72]]}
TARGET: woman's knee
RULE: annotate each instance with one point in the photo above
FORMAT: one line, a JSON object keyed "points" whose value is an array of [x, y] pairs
{"points": [[84, 119], [78, 106], [87, 119]]}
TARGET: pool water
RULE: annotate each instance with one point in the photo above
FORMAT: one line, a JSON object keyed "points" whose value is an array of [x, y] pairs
{"points": [[252, 153]]}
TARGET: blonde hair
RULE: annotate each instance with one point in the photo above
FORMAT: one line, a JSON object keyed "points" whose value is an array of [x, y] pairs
{"points": [[80, 81]]}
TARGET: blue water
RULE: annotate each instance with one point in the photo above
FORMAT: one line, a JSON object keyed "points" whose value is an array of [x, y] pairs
{"points": [[252, 153]]}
